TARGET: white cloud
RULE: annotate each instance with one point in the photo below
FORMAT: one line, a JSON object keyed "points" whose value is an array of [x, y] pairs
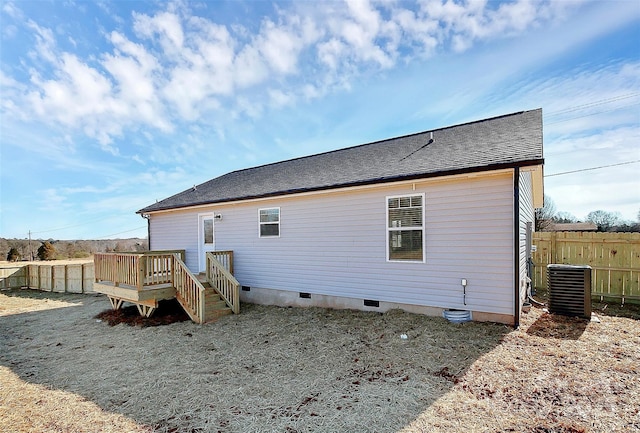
{"points": [[421, 30], [45, 43], [10, 9], [465, 23], [203, 70], [166, 25], [362, 30], [280, 98], [280, 47], [52, 200], [9, 31], [77, 91], [249, 67], [178, 66]]}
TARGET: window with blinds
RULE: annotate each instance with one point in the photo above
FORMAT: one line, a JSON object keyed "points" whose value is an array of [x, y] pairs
{"points": [[269, 222], [405, 228]]}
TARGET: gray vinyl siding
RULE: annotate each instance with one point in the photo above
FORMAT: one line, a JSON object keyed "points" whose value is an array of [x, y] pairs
{"points": [[176, 231], [334, 243], [527, 215]]}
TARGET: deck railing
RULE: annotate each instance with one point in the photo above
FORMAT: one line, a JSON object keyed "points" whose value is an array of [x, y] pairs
{"points": [[152, 268], [189, 291], [136, 269], [222, 280], [225, 258]]}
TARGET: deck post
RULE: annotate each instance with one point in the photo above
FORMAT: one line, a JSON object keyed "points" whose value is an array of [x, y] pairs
{"points": [[114, 270], [207, 270], [142, 271], [173, 270]]}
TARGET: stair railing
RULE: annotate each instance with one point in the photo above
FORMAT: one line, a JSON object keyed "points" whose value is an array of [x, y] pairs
{"points": [[189, 291], [222, 280]]}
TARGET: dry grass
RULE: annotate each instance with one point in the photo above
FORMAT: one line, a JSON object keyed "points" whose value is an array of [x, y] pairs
{"points": [[309, 370]]}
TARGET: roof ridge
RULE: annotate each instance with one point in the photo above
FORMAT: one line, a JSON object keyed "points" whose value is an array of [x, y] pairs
{"points": [[375, 142], [513, 141]]}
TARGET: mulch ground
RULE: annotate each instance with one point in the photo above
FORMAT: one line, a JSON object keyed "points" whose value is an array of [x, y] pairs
{"points": [[168, 312]]}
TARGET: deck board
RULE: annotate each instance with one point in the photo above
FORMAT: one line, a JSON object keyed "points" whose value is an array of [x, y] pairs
{"points": [[157, 292]]}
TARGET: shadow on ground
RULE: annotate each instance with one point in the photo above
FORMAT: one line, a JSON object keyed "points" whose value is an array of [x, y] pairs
{"points": [[603, 306], [615, 308], [267, 369], [557, 326]]}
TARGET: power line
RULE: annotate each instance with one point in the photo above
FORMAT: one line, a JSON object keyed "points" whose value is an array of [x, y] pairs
{"points": [[592, 114], [72, 226], [591, 104], [119, 233], [592, 168]]}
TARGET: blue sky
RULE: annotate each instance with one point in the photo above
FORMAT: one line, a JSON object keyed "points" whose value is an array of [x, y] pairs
{"points": [[109, 106]]}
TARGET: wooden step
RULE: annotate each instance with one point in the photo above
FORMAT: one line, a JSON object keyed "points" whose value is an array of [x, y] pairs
{"points": [[211, 295], [210, 316], [214, 305]]}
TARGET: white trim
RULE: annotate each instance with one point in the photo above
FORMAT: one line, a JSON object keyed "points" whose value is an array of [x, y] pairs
{"points": [[423, 228], [429, 180], [260, 223]]}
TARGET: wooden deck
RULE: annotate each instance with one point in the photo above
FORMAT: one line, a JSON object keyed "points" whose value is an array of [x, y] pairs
{"points": [[144, 279], [146, 299]]}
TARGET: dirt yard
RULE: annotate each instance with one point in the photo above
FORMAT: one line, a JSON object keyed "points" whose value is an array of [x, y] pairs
{"points": [[313, 370]]}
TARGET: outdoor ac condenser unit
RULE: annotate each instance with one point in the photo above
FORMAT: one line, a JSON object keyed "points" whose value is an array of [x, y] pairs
{"points": [[569, 290]]}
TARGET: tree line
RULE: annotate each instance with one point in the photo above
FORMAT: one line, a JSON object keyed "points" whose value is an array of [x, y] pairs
{"points": [[605, 221], [24, 249]]}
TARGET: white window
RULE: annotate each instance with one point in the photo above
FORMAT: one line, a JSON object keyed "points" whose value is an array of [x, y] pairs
{"points": [[405, 228], [269, 221]]}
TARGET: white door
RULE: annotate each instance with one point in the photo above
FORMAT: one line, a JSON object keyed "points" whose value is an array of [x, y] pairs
{"points": [[206, 239]]}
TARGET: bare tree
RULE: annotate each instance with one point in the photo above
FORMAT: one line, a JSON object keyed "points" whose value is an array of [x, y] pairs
{"points": [[565, 217], [604, 219], [545, 215]]}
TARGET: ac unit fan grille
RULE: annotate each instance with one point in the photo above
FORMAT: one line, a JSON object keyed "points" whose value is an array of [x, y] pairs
{"points": [[570, 290]]}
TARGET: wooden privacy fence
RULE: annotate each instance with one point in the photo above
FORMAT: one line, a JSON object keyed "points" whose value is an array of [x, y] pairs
{"points": [[50, 277], [614, 259]]}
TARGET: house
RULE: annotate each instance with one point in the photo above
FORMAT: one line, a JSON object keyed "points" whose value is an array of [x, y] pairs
{"points": [[427, 222], [573, 227]]}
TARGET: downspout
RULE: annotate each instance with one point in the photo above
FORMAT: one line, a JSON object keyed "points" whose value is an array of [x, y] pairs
{"points": [[516, 247], [148, 218]]}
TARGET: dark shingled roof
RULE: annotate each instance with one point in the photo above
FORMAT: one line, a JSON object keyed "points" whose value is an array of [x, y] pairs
{"points": [[500, 142]]}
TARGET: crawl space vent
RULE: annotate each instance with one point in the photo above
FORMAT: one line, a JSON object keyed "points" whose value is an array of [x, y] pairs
{"points": [[457, 316]]}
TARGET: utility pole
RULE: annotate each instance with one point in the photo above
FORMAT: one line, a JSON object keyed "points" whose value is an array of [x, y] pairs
{"points": [[30, 250]]}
